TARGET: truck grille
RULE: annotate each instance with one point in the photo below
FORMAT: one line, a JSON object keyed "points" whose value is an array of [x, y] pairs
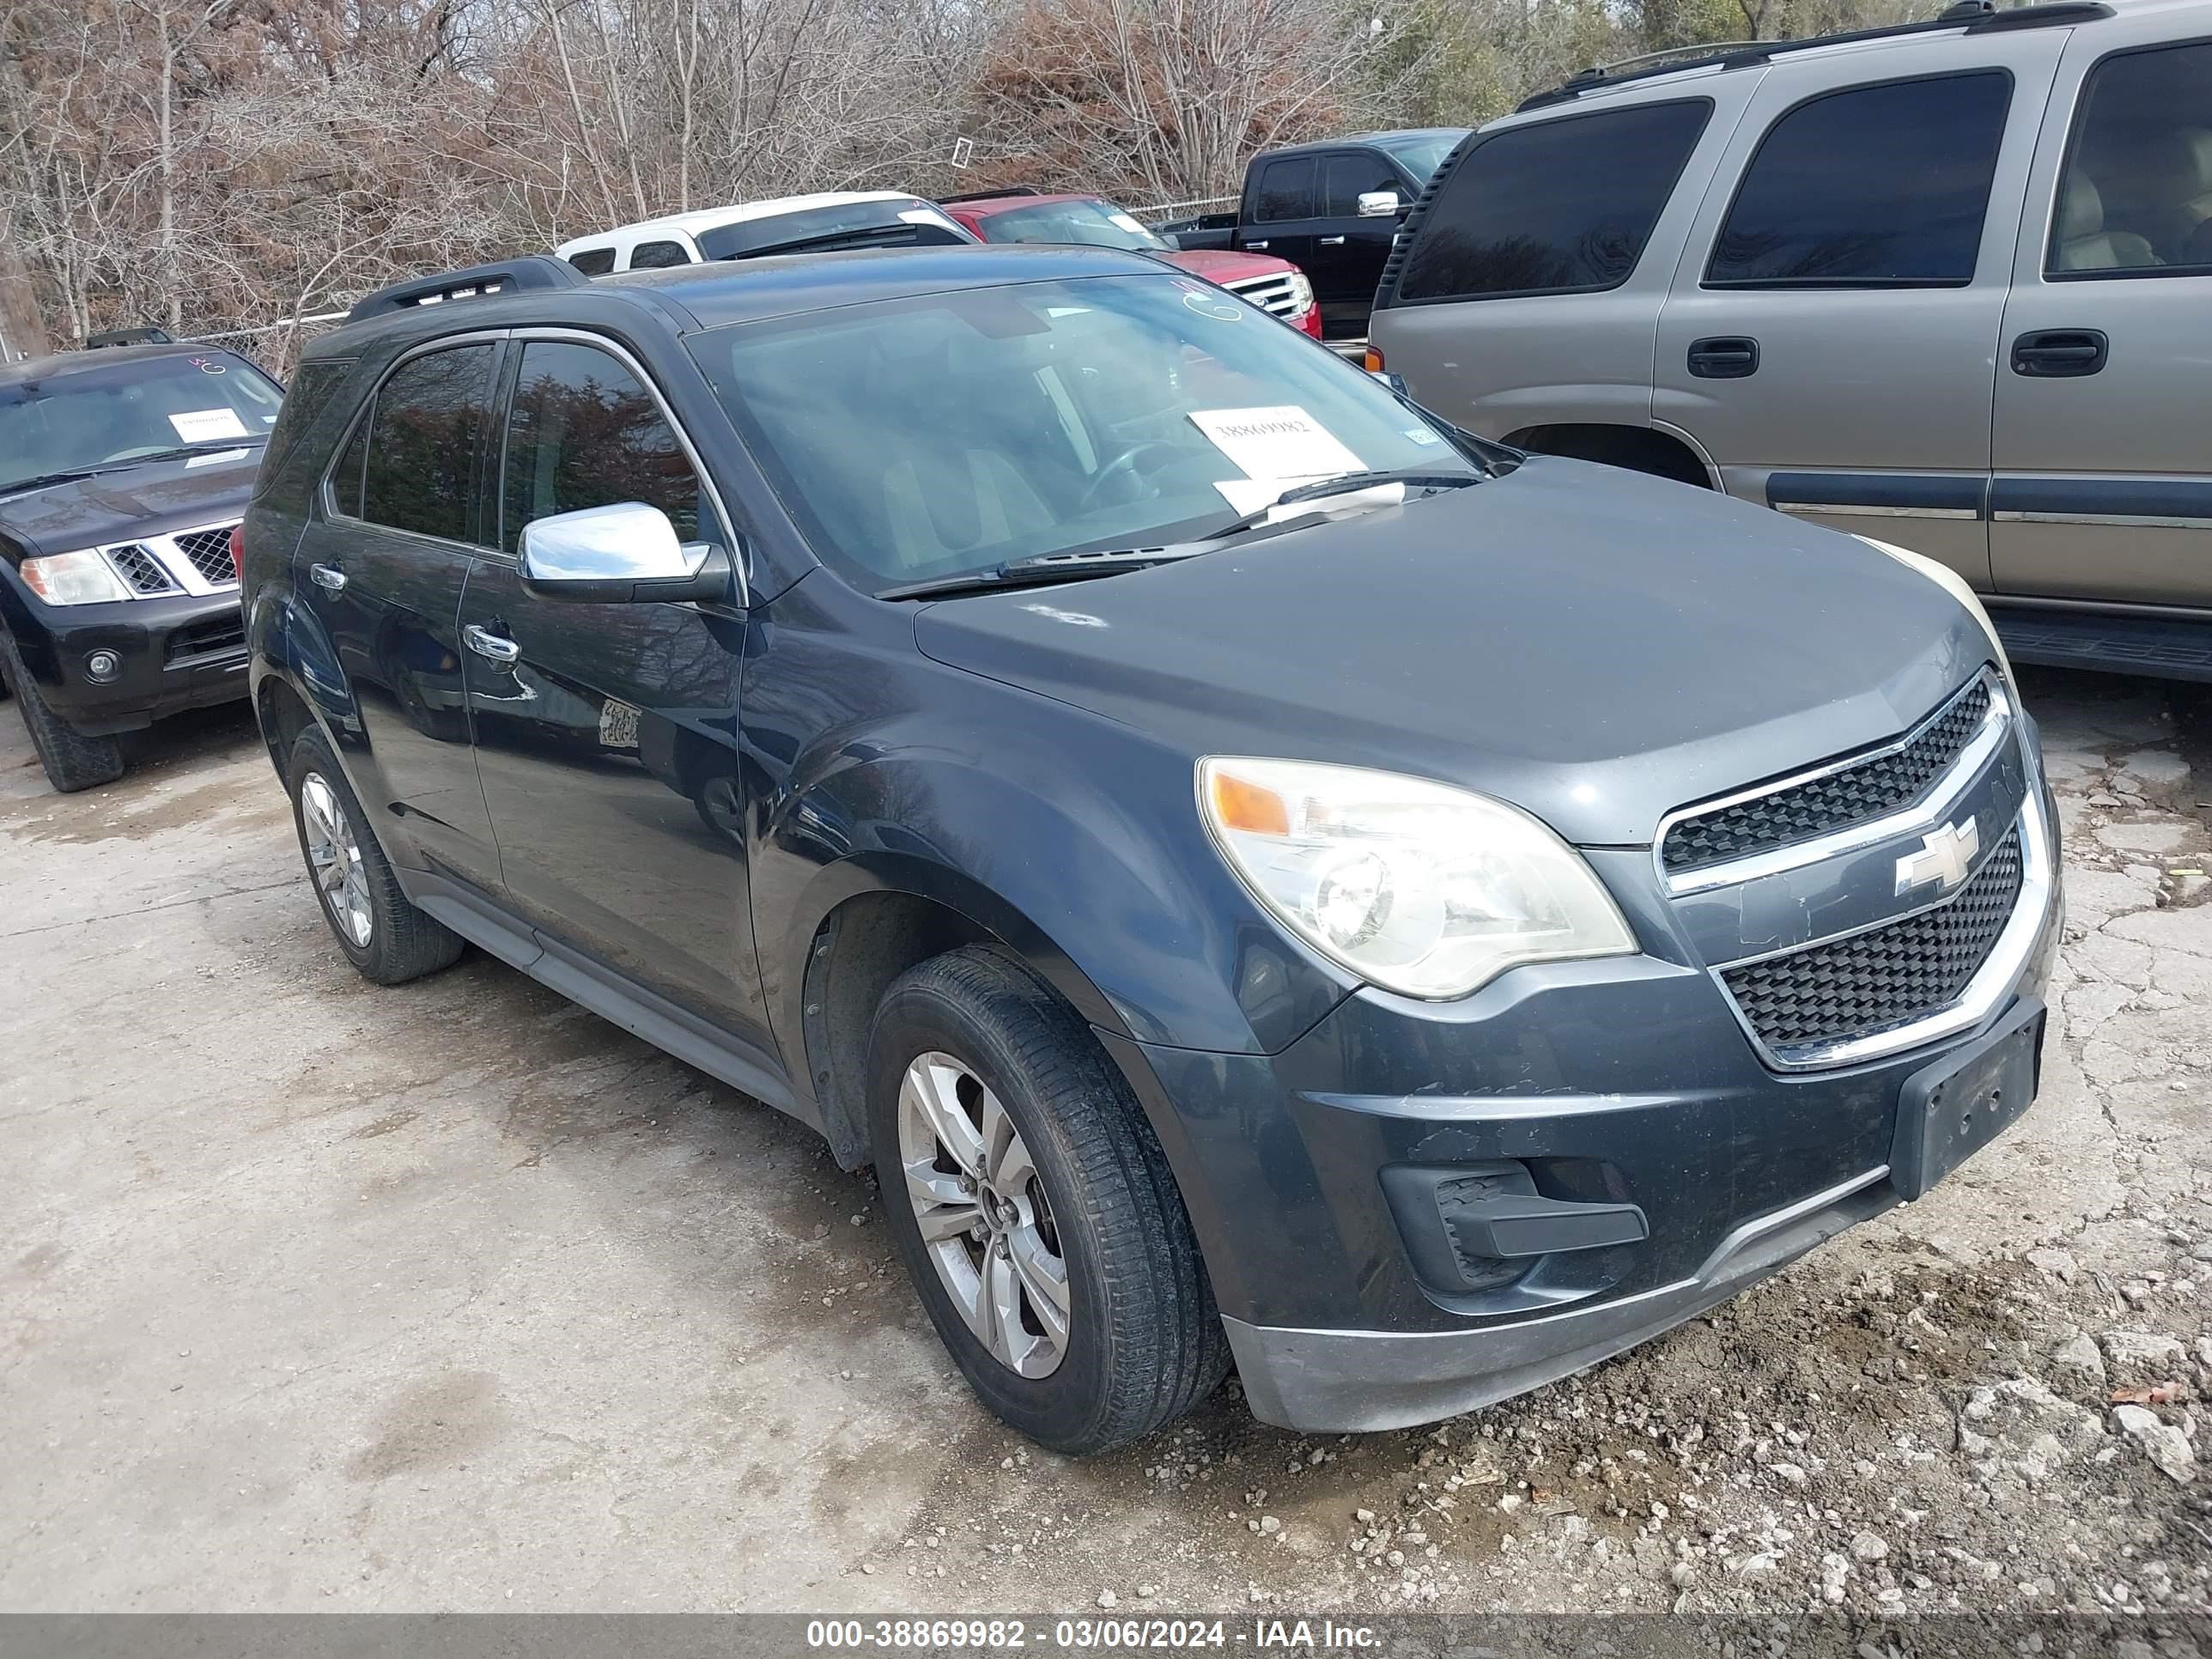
{"points": [[1855, 792], [209, 552], [141, 571], [1276, 294], [1887, 976]]}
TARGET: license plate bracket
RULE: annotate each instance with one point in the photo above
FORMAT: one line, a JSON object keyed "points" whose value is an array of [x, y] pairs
{"points": [[1950, 1110]]}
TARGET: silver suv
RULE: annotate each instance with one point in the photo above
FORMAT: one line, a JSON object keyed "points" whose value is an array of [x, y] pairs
{"points": [[1949, 284]]}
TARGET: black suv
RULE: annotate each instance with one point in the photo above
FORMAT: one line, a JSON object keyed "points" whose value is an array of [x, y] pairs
{"points": [[123, 473], [1256, 872]]}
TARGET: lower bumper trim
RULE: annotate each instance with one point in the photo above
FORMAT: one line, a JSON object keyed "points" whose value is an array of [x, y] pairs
{"points": [[1320, 1381]]}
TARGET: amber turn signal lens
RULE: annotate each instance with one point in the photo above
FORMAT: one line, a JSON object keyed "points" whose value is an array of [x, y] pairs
{"points": [[1371, 361], [1247, 806]]}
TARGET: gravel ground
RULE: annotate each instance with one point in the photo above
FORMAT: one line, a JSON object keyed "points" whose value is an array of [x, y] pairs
{"points": [[319, 1296]]}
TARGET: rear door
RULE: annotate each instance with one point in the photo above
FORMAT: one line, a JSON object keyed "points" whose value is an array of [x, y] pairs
{"points": [[606, 734], [1349, 252], [2104, 466], [382, 563], [1280, 206], [1831, 338]]}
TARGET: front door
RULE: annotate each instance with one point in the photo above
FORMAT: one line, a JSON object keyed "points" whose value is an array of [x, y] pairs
{"points": [[606, 734], [382, 563], [2104, 468], [1281, 205], [1831, 337], [1348, 251]]}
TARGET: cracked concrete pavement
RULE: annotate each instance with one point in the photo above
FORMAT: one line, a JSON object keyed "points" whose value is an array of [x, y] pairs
{"points": [[324, 1297]]}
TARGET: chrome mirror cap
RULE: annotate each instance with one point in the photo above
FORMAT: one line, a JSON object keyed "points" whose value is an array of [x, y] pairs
{"points": [[618, 554], [1378, 204]]}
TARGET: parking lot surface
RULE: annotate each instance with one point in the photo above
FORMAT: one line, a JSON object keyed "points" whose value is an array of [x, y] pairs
{"points": [[322, 1297]]}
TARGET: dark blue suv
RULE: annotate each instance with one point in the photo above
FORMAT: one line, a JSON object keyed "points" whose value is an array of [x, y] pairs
{"points": [[1265, 878]]}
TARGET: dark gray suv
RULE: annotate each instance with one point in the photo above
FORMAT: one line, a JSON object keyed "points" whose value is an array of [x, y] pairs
{"points": [[1260, 873]]}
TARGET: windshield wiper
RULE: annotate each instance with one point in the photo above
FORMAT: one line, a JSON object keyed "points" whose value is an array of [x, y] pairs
{"points": [[46, 480], [1042, 571], [1412, 477], [185, 451]]}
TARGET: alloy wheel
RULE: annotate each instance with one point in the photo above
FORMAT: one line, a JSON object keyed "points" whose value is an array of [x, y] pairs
{"points": [[334, 857], [983, 1214]]}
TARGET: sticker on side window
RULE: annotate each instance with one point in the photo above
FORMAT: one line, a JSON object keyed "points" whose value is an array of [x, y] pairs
{"points": [[201, 425], [1279, 441]]}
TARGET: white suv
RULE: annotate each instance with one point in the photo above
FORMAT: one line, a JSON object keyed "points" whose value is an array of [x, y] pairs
{"points": [[785, 224]]}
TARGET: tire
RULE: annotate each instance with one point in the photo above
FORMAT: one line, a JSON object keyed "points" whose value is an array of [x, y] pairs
{"points": [[1140, 1340], [382, 934], [73, 761]]}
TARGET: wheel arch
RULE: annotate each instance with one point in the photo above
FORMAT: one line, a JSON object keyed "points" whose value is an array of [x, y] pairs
{"points": [[1654, 450]]}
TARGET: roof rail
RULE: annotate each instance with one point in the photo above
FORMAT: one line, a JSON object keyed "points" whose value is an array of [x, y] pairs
{"points": [[149, 334], [539, 270], [986, 195], [1974, 17]]}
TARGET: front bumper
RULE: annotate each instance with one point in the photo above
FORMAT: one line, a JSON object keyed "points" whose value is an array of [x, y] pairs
{"points": [[173, 653], [1625, 1082]]}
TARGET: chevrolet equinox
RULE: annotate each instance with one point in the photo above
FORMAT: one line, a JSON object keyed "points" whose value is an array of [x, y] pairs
{"points": [[1264, 877]]}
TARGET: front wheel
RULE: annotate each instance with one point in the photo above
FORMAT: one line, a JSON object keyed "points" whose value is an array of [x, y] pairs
{"points": [[73, 761], [1034, 1208]]}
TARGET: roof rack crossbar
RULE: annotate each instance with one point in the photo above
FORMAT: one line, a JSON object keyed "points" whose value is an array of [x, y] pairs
{"points": [[1973, 16], [528, 270]]}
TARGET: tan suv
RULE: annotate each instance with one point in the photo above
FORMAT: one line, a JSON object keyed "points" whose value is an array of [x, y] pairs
{"points": [[1949, 283]]}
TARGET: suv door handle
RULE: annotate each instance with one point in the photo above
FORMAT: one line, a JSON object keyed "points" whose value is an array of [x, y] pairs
{"points": [[328, 577], [1725, 358], [2051, 353], [487, 644], [1260, 244], [1332, 241]]}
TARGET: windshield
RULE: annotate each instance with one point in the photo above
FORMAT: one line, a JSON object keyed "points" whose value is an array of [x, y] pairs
{"points": [[895, 223], [1093, 222], [132, 409], [930, 437], [1422, 156]]}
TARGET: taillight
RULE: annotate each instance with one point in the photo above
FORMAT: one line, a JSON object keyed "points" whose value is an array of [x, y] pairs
{"points": [[1371, 361], [238, 552]]}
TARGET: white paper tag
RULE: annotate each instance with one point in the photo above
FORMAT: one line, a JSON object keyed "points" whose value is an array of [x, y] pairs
{"points": [[1124, 220], [201, 425], [219, 457], [1281, 442], [1249, 496]]}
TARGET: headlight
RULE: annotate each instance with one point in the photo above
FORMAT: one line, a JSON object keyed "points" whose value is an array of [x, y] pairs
{"points": [[1953, 584], [73, 579], [1302, 295], [1415, 886]]}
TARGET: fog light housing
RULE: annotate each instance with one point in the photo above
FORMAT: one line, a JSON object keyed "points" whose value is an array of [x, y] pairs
{"points": [[103, 667]]}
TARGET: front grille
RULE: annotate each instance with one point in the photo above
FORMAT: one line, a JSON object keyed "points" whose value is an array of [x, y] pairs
{"points": [[140, 570], [1852, 794], [1276, 294], [209, 552], [1887, 977], [213, 636]]}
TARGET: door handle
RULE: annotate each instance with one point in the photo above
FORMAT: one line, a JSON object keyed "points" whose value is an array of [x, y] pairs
{"points": [[327, 577], [1250, 245], [2052, 353], [1725, 358], [1332, 241], [489, 645]]}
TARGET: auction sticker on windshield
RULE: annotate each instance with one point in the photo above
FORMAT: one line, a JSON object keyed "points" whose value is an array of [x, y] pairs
{"points": [[200, 426], [1282, 441]]}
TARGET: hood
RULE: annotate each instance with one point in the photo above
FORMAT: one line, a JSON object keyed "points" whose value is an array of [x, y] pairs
{"points": [[1221, 267], [1594, 645], [138, 501]]}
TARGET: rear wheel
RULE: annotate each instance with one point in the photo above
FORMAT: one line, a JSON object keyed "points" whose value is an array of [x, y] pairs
{"points": [[73, 761], [376, 925], [1034, 1208]]}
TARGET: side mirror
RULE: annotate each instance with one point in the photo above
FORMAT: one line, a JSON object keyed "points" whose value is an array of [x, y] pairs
{"points": [[620, 555], [1378, 204]]}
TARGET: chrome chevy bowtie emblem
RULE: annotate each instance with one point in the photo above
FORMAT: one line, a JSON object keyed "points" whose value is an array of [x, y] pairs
{"points": [[1944, 858]]}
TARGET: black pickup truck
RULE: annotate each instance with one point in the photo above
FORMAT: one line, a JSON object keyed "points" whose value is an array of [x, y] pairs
{"points": [[1331, 207]]}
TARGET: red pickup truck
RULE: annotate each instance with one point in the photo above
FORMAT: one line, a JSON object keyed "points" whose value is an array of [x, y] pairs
{"points": [[1022, 214]]}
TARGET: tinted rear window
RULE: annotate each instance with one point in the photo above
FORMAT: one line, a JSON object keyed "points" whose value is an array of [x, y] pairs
{"points": [[1879, 186], [1286, 190], [421, 471], [1563, 206], [593, 261]]}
